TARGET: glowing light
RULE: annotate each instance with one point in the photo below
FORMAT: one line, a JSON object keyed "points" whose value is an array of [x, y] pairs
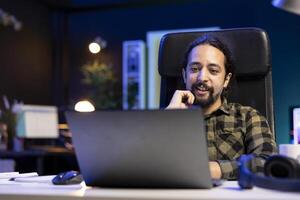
{"points": [[84, 106], [288, 5], [94, 47]]}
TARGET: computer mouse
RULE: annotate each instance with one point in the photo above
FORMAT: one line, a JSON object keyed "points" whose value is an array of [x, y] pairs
{"points": [[67, 178]]}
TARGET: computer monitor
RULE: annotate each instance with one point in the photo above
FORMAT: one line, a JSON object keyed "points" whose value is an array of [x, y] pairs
{"points": [[37, 121]]}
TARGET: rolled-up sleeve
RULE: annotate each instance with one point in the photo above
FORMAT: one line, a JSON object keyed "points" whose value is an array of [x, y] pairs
{"points": [[229, 169]]}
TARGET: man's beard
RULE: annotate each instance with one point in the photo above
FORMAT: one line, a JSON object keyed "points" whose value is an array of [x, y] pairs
{"points": [[204, 102]]}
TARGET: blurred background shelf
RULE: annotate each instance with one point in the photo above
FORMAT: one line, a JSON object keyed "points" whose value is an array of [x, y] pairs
{"points": [[44, 160]]}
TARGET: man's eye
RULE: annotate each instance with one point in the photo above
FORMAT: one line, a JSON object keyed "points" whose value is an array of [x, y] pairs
{"points": [[214, 71], [194, 69]]}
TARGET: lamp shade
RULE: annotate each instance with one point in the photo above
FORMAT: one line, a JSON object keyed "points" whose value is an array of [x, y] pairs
{"points": [[288, 5], [97, 45], [84, 106]]}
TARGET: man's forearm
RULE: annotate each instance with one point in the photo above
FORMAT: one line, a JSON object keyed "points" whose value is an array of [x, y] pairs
{"points": [[228, 169]]}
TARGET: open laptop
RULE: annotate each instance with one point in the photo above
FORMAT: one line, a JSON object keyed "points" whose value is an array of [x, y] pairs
{"points": [[141, 148]]}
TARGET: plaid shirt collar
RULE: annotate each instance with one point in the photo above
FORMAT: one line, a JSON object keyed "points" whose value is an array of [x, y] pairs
{"points": [[224, 108]]}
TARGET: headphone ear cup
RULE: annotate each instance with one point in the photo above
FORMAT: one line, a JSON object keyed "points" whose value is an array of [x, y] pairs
{"points": [[279, 166]]}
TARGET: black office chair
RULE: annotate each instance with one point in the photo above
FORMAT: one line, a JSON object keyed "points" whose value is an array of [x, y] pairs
{"points": [[252, 58]]}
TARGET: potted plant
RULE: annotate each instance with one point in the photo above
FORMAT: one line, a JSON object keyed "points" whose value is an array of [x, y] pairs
{"points": [[105, 89], [8, 120]]}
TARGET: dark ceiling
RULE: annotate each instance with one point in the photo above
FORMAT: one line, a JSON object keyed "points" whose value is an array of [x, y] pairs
{"points": [[81, 3], [90, 4]]}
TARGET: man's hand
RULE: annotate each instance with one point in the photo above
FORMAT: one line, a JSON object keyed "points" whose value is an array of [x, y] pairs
{"points": [[181, 99], [215, 170]]}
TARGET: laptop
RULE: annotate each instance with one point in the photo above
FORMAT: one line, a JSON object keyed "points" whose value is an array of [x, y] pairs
{"points": [[141, 148]]}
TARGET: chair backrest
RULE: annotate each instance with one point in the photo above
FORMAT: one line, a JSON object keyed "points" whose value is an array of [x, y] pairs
{"points": [[251, 55]]}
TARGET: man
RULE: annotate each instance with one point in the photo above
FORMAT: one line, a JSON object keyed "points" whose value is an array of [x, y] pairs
{"points": [[232, 129]]}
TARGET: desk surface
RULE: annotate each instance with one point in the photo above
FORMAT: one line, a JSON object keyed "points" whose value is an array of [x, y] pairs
{"points": [[46, 191]]}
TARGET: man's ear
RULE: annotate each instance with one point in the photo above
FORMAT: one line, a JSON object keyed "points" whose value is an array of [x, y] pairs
{"points": [[227, 80], [184, 75]]}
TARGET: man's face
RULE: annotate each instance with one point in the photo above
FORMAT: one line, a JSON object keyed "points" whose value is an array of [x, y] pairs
{"points": [[205, 74]]}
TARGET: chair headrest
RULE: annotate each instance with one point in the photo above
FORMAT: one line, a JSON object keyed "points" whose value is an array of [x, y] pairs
{"points": [[250, 50]]}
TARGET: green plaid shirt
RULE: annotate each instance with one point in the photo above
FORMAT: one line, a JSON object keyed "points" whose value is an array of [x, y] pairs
{"points": [[233, 130]]}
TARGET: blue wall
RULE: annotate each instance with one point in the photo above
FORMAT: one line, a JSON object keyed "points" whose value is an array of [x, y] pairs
{"points": [[132, 22]]}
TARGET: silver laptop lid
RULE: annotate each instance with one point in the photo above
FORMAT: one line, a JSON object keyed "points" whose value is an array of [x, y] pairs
{"points": [[141, 148]]}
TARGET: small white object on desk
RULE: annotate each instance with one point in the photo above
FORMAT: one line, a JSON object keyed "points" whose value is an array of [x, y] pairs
{"points": [[35, 179], [8, 175], [14, 175]]}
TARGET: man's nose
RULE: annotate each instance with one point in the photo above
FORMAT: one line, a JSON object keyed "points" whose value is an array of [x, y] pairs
{"points": [[203, 75]]}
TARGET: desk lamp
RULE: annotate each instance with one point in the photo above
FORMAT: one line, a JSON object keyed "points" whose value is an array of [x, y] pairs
{"points": [[288, 5], [84, 106]]}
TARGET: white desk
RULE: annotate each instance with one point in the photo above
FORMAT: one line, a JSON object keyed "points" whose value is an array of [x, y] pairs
{"points": [[229, 190]]}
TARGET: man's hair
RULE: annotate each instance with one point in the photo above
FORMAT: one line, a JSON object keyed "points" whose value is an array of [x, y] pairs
{"points": [[215, 42]]}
